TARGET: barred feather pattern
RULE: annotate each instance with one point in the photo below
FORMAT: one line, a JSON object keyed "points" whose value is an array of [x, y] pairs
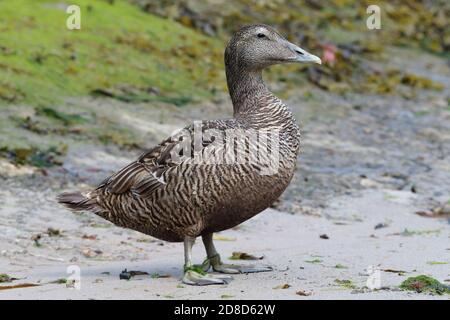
{"points": [[170, 200], [170, 193]]}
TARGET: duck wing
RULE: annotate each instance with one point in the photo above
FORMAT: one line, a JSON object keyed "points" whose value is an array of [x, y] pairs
{"points": [[146, 175]]}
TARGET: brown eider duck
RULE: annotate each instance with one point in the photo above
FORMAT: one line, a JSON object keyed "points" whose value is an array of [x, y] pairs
{"points": [[178, 190]]}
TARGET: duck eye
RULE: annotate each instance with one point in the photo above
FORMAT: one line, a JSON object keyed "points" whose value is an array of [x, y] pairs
{"points": [[261, 35]]}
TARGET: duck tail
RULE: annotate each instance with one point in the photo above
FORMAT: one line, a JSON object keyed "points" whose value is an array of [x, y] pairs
{"points": [[76, 201]]}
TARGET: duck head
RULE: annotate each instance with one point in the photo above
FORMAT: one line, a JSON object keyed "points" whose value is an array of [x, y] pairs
{"points": [[259, 46]]}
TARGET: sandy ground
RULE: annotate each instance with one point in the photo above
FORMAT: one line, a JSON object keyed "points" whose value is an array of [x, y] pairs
{"points": [[289, 243], [365, 162], [408, 243]]}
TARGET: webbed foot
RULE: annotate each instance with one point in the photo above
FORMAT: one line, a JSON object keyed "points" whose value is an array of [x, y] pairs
{"points": [[197, 277], [216, 263]]}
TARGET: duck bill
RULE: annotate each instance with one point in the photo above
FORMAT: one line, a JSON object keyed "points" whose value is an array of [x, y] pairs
{"points": [[303, 55], [308, 57]]}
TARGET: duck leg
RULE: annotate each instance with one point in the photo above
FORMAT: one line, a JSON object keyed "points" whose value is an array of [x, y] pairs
{"points": [[194, 275], [213, 260]]}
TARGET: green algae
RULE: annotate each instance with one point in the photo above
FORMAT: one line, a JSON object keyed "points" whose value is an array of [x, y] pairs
{"points": [[42, 62], [314, 261], [433, 263], [425, 284], [5, 278], [345, 283], [35, 156]]}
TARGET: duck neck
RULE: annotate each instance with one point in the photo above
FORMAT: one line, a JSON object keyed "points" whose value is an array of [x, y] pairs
{"points": [[246, 87]]}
